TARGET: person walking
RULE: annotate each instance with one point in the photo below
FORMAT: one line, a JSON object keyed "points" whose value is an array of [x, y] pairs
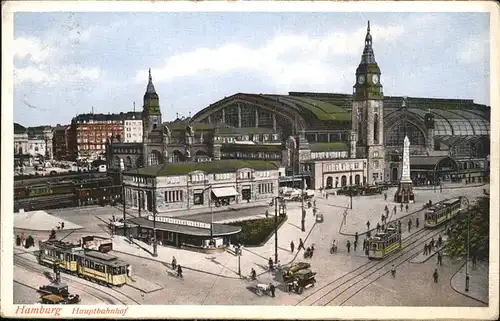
{"points": [[378, 227], [382, 218], [272, 289], [385, 196], [474, 260], [440, 259], [402, 207], [407, 208], [301, 245], [393, 271], [364, 244], [174, 263], [62, 225], [348, 246], [179, 271], [440, 240], [356, 237], [417, 222], [425, 249], [394, 209], [432, 244], [292, 246], [409, 225], [435, 275], [368, 225], [355, 245]]}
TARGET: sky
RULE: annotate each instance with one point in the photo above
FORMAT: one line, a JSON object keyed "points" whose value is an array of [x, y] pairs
{"points": [[68, 63]]}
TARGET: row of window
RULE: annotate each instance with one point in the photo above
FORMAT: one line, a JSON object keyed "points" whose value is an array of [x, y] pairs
{"points": [[252, 155], [134, 122], [134, 129], [344, 166], [91, 121], [329, 155], [87, 147], [266, 188], [174, 196]]}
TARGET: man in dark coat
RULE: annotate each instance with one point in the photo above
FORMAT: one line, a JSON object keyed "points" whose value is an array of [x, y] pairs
{"points": [[435, 275], [348, 246], [417, 222], [292, 246], [179, 271], [272, 289]]}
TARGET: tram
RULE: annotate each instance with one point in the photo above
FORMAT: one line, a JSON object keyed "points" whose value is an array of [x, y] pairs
{"points": [[442, 212], [102, 268], [385, 243]]}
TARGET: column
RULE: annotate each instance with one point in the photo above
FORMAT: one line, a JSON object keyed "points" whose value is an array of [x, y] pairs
{"points": [[256, 117], [223, 116], [210, 119], [239, 115], [274, 122]]}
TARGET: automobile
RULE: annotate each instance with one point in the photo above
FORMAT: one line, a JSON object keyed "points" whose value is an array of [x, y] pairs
{"points": [[289, 272], [302, 280], [60, 290]]}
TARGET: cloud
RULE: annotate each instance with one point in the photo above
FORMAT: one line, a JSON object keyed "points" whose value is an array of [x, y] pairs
{"points": [[41, 60], [286, 61], [473, 50]]}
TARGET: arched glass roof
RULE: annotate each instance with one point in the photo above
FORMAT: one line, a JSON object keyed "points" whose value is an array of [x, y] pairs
{"points": [[442, 128]]}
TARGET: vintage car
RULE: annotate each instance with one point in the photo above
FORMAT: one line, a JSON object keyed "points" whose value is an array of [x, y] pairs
{"points": [[60, 290], [372, 190], [290, 271], [301, 280]]}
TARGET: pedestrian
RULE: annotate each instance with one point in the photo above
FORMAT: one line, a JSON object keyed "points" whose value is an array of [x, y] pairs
{"points": [[62, 225], [272, 289], [394, 209], [432, 244], [417, 222], [292, 246], [18, 240], [440, 240], [440, 259], [393, 271], [378, 227], [368, 225], [364, 244], [356, 237], [406, 208], [174, 263], [409, 225], [367, 250], [385, 196], [435, 275], [348, 246], [355, 245], [270, 263], [382, 218], [401, 207], [301, 245], [383, 227], [179, 271], [425, 249]]}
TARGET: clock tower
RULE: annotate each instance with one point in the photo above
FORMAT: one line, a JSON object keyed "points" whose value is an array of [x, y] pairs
{"points": [[152, 126], [368, 113]]}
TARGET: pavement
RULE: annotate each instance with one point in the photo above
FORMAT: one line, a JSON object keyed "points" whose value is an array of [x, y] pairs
{"points": [[421, 257], [478, 281], [225, 264], [371, 208], [40, 221]]}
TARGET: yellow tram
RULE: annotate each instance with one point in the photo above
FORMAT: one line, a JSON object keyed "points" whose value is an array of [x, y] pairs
{"points": [[442, 212], [94, 266], [382, 244]]}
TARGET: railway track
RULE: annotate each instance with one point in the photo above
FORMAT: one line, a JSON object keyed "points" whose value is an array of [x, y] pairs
{"points": [[93, 289], [340, 290]]}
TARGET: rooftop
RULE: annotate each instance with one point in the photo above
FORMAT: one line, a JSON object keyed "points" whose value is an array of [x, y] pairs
{"points": [[221, 166], [218, 229], [326, 147]]}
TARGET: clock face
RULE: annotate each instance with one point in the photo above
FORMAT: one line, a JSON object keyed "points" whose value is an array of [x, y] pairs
{"points": [[375, 79], [361, 79]]}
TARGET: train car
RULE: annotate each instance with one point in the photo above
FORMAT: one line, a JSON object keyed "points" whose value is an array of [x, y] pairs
{"points": [[385, 243], [39, 190], [442, 212], [62, 254], [62, 188], [19, 192], [45, 202], [102, 268]]}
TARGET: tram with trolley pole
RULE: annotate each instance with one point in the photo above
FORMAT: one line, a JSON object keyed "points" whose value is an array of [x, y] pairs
{"points": [[384, 243], [71, 258], [443, 211]]}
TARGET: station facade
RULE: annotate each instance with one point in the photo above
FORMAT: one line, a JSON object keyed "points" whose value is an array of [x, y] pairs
{"points": [[194, 185], [326, 140]]}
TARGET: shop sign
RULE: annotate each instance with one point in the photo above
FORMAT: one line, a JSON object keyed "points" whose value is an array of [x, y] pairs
{"points": [[176, 221]]}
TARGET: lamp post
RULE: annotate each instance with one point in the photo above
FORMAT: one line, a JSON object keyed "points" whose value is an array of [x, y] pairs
{"points": [[155, 243], [468, 246], [350, 189], [276, 229], [239, 261]]}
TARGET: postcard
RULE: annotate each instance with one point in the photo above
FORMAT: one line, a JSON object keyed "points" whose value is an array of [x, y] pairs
{"points": [[250, 160]]}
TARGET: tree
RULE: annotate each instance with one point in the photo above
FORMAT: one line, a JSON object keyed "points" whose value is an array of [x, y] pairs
{"points": [[479, 231]]}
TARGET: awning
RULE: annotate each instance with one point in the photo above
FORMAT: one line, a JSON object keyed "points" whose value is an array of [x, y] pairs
{"points": [[224, 191]]}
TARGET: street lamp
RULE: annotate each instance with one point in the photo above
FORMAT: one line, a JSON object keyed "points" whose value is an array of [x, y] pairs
{"points": [[238, 253], [155, 245], [276, 229], [465, 201]]}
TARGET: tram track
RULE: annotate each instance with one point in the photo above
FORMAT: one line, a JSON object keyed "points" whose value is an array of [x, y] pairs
{"points": [[33, 266], [336, 290]]}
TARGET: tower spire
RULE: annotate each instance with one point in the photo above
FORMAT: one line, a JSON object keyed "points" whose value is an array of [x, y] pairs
{"points": [[368, 55], [151, 87]]}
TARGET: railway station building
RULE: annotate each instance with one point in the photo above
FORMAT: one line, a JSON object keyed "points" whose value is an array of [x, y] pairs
{"points": [[192, 185], [324, 140]]}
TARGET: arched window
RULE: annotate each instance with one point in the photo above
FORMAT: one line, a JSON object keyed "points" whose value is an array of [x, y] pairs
{"points": [[154, 157], [375, 129], [397, 135], [177, 157]]}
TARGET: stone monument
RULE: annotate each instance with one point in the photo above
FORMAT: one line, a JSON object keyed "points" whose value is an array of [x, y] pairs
{"points": [[404, 194]]}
